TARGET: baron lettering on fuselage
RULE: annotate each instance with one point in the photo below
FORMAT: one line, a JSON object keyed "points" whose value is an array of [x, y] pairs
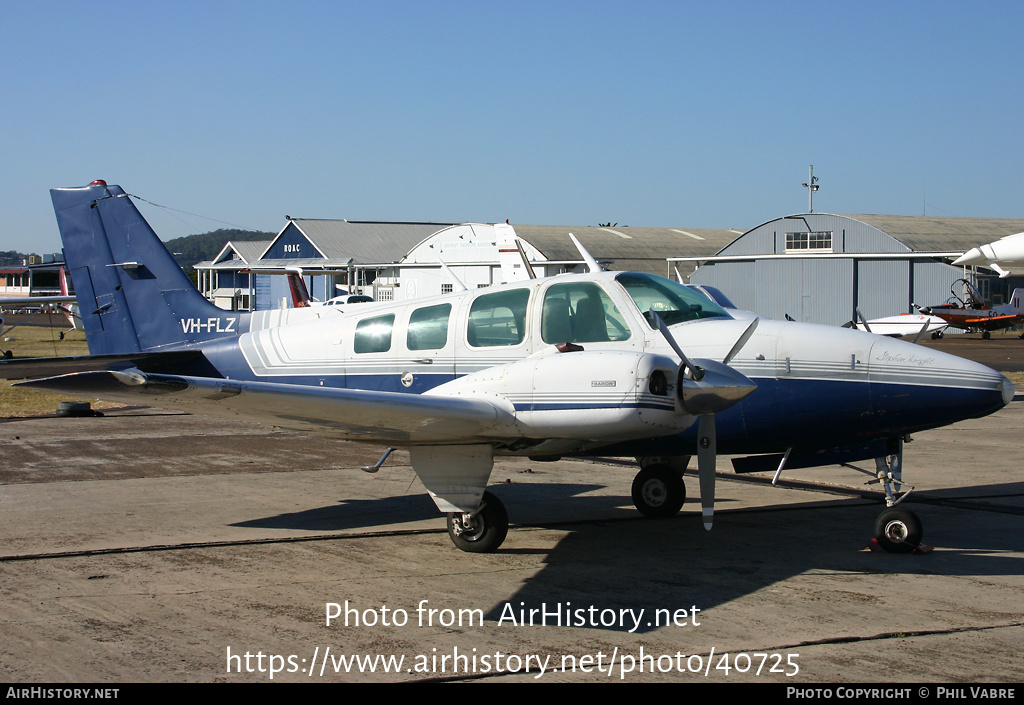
{"points": [[610, 363]]}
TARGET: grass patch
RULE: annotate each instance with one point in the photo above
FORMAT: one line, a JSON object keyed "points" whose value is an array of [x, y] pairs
{"points": [[1017, 378], [38, 341], [43, 341]]}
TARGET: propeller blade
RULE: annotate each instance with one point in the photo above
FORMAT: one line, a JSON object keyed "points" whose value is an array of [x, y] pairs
{"points": [[696, 372], [921, 332], [709, 388], [741, 341], [863, 320], [707, 458]]}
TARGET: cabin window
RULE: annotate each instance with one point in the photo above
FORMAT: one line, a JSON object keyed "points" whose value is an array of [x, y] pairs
{"points": [[580, 312], [428, 327], [673, 302], [374, 334], [498, 319]]}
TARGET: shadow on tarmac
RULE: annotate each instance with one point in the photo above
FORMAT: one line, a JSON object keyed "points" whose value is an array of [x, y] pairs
{"points": [[615, 560]]}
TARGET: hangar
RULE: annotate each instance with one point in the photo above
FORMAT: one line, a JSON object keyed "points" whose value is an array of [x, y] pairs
{"points": [[822, 268]]}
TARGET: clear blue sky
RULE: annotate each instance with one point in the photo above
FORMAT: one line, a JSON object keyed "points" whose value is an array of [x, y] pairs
{"points": [[670, 114]]}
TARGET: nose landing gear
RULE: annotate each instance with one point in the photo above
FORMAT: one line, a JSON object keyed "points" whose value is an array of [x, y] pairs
{"points": [[897, 529]]}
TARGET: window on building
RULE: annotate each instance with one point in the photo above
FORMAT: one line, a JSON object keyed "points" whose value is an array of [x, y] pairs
{"points": [[447, 288], [374, 334], [428, 327], [820, 241], [498, 319]]}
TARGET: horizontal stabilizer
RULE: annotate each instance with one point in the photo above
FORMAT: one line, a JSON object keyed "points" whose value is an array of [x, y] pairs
{"points": [[387, 417], [148, 362]]}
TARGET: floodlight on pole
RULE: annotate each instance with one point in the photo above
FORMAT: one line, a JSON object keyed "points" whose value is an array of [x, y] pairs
{"points": [[811, 186]]}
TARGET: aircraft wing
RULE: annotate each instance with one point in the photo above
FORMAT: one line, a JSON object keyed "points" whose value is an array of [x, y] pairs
{"points": [[6, 302], [388, 417], [1004, 320]]}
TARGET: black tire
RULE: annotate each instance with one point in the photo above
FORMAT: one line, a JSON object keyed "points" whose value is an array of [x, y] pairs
{"points": [[986, 335], [487, 530], [658, 491], [898, 530]]}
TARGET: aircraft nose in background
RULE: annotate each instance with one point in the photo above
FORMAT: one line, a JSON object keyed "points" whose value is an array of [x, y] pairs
{"points": [[972, 256]]}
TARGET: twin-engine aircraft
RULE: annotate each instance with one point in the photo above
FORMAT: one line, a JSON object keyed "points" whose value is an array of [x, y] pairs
{"points": [[602, 363]]}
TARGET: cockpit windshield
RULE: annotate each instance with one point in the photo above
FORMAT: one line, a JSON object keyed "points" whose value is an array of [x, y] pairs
{"points": [[673, 302]]}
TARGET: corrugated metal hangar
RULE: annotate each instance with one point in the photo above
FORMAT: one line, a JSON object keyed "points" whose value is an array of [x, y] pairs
{"points": [[813, 267], [821, 267]]}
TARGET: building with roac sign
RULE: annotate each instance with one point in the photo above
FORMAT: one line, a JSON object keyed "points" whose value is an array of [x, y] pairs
{"points": [[396, 261]]}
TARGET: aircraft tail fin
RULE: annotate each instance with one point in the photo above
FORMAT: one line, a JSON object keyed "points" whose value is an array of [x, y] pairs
{"points": [[297, 288], [1017, 299], [515, 266], [132, 294]]}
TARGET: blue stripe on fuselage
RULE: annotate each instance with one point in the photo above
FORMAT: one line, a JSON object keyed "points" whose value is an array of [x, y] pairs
{"points": [[822, 414], [817, 413]]}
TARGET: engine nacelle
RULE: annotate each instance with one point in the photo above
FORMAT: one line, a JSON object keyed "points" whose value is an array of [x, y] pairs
{"points": [[593, 396]]}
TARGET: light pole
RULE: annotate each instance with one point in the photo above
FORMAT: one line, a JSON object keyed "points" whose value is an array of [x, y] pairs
{"points": [[811, 186]]}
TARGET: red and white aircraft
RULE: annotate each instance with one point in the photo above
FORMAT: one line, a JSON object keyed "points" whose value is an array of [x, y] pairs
{"points": [[969, 312]]}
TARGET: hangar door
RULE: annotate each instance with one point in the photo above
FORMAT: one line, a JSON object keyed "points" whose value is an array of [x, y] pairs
{"points": [[807, 289], [883, 287]]}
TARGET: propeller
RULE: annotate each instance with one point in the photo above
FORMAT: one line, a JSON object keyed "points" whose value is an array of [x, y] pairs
{"points": [[863, 320], [703, 391]]}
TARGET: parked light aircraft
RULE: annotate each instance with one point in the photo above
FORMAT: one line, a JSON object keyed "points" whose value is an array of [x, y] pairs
{"points": [[968, 311], [903, 325], [601, 363], [64, 303], [1006, 252]]}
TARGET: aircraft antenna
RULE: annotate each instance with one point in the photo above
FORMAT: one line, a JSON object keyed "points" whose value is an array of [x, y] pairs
{"points": [[592, 264], [457, 284]]}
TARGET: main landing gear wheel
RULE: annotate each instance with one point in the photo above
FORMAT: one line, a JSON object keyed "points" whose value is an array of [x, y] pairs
{"points": [[986, 335], [481, 531], [658, 491], [898, 530]]}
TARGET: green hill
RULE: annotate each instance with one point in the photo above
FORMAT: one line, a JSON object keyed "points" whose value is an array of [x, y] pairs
{"points": [[205, 246]]}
